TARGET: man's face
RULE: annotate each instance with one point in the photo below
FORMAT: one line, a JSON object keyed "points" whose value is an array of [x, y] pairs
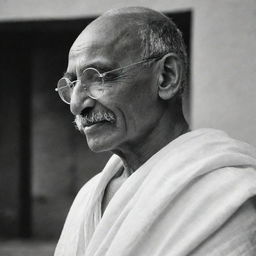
{"points": [[129, 110]]}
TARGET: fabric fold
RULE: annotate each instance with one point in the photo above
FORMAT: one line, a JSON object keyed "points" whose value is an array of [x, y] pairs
{"points": [[171, 205]]}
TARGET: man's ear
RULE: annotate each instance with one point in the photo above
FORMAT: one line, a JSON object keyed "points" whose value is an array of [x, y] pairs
{"points": [[170, 78]]}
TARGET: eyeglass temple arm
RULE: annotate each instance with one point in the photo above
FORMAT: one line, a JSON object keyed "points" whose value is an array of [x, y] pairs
{"points": [[116, 69], [57, 89]]}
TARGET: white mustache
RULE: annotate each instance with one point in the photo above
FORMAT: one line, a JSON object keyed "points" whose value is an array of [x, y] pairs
{"points": [[82, 121]]}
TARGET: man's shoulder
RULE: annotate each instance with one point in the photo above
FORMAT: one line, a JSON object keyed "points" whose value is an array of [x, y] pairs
{"points": [[236, 237]]}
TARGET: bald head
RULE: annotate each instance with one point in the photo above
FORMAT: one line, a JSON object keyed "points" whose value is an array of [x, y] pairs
{"points": [[117, 29], [134, 33], [124, 20], [113, 33]]}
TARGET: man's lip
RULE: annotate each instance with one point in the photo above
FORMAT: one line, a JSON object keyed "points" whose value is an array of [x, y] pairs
{"points": [[95, 126], [96, 123], [91, 124]]}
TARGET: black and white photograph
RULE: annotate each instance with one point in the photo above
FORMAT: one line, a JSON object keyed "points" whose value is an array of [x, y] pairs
{"points": [[128, 128]]}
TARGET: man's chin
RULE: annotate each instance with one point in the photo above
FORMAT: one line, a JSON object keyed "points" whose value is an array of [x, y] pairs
{"points": [[93, 143], [100, 137], [97, 145]]}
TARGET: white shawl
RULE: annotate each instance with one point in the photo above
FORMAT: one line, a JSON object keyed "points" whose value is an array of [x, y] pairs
{"points": [[176, 201]]}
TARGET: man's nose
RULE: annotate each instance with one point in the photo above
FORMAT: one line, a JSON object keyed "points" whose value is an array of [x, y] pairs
{"points": [[80, 101]]}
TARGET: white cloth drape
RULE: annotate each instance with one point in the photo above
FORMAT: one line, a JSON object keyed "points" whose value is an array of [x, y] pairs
{"points": [[173, 204]]}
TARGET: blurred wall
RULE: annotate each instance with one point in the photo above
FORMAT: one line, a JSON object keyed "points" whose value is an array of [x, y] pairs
{"points": [[10, 150]]}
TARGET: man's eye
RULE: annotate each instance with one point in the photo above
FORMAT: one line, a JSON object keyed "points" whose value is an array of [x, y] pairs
{"points": [[110, 77], [72, 84]]}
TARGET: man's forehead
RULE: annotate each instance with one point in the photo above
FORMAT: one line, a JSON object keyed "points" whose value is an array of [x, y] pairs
{"points": [[107, 35]]}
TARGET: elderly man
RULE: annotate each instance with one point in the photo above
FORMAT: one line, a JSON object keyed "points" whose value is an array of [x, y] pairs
{"points": [[166, 190]]}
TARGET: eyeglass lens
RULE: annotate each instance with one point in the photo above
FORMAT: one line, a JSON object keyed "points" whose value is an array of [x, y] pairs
{"points": [[94, 83], [65, 89], [91, 80]]}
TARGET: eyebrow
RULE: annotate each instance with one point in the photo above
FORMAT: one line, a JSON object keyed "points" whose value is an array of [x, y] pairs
{"points": [[100, 66]]}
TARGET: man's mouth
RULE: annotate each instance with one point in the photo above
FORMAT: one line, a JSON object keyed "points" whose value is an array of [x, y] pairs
{"points": [[94, 118], [98, 122]]}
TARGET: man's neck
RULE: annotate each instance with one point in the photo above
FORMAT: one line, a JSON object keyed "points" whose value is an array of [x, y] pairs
{"points": [[135, 155]]}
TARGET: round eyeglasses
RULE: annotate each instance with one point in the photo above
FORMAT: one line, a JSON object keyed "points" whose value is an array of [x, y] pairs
{"points": [[93, 82]]}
